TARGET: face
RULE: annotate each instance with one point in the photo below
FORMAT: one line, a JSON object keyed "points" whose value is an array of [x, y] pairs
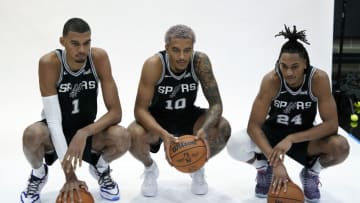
{"points": [[77, 46], [179, 51], [292, 67]]}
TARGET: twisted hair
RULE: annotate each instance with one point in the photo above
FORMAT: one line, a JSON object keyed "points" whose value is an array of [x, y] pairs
{"points": [[293, 45]]}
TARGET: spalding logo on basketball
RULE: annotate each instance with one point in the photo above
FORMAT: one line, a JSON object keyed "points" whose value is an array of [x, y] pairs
{"points": [[188, 155]]}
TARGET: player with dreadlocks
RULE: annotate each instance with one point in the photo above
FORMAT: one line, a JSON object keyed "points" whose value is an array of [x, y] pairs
{"points": [[282, 122]]}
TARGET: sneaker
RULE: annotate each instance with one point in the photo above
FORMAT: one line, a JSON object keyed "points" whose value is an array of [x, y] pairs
{"points": [[310, 182], [109, 189], [263, 181], [199, 185], [32, 192], [149, 187]]}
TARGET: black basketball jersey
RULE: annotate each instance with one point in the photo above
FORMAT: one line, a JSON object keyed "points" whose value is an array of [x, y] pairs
{"points": [[77, 93], [292, 110], [174, 93]]}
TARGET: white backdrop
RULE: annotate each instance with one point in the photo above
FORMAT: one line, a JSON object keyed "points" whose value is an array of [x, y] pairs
{"points": [[238, 35]]}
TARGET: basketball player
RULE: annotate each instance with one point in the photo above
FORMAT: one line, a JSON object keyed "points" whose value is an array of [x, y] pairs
{"points": [[164, 107], [69, 81], [282, 122]]}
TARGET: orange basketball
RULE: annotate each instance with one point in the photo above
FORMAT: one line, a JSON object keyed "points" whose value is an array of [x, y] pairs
{"points": [[294, 194], [85, 196], [188, 155]]}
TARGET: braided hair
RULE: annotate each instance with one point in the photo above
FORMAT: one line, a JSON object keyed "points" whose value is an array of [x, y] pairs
{"points": [[293, 45]]}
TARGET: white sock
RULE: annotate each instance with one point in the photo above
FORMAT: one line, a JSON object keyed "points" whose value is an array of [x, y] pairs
{"points": [[39, 172], [260, 164], [102, 165], [317, 167]]}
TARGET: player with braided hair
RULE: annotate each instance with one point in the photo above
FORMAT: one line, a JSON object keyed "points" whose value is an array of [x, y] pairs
{"points": [[282, 122]]}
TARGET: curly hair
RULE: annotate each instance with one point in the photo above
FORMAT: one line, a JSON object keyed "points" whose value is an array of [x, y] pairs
{"points": [[293, 45]]}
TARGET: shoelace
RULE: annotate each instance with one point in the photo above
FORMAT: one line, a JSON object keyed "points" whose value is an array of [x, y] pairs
{"points": [[263, 178], [311, 181], [105, 180], [33, 186]]}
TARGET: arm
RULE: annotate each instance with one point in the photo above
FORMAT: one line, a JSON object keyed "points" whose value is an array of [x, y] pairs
{"points": [[112, 103], [327, 109], [49, 71], [150, 74], [210, 89], [268, 90], [110, 94]]}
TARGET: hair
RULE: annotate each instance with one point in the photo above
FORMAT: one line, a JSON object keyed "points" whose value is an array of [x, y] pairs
{"points": [[179, 31], [293, 45], [76, 25]]}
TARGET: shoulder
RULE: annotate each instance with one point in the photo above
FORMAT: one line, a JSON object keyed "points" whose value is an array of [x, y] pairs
{"points": [[49, 61], [319, 74], [152, 68], [200, 57], [270, 84], [320, 82], [98, 54]]}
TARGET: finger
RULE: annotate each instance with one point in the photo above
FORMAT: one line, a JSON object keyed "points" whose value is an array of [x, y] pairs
{"points": [[273, 185], [80, 159], [75, 162], [78, 195], [278, 187], [285, 184], [71, 193]]}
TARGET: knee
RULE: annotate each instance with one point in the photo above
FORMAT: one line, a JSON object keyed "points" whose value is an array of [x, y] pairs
{"points": [[341, 147], [121, 137], [225, 130], [237, 145], [33, 137], [135, 132]]}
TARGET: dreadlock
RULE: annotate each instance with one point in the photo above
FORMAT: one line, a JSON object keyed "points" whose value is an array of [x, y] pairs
{"points": [[293, 45]]}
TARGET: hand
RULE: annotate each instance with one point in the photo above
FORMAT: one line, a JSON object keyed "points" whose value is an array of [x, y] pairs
{"points": [[280, 179], [279, 151], [71, 188], [168, 139], [201, 134], [75, 151]]}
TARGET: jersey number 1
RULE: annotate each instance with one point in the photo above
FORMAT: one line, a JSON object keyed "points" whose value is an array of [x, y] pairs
{"points": [[76, 109]]}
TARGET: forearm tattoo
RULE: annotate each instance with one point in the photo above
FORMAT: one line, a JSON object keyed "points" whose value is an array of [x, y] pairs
{"points": [[210, 89]]}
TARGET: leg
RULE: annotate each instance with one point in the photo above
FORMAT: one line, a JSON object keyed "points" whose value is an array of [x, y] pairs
{"points": [[36, 141], [332, 150], [112, 143], [140, 143], [140, 149], [217, 137]]}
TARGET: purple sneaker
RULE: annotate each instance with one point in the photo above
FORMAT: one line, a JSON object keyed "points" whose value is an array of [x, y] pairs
{"points": [[263, 179], [310, 182]]}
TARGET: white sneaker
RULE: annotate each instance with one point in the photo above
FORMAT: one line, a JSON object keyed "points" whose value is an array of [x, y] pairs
{"points": [[32, 192], [149, 188], [109, 189], [199, 185]]}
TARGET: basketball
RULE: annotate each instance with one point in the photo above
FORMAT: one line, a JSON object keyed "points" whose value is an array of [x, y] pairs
{"points": [[294, 194], [188, 155], [85, 196]]}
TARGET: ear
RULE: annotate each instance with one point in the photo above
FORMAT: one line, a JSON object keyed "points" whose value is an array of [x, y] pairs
{"points": [[167, 47], [62, 41]]}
